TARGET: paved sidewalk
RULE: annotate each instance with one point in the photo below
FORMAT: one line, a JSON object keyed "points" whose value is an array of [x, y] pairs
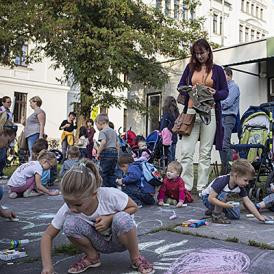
{"points": [[171, 252]]}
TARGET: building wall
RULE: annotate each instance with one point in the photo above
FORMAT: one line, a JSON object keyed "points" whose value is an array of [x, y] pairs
{"points": [[225, 18], [38, 79]]}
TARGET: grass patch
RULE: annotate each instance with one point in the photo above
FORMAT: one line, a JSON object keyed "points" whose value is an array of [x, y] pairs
{"points": [[232, 239], [68, 249], [260, 245]]}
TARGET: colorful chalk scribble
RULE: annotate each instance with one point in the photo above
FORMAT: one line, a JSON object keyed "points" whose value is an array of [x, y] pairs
{"points": [[209, 261]]}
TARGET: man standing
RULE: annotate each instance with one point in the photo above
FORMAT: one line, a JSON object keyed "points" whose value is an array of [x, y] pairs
{"points": [[5, 115], [230, 109]]}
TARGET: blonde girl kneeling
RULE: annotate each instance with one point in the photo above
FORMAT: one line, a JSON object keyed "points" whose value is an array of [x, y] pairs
{"points": [[95, 219]]}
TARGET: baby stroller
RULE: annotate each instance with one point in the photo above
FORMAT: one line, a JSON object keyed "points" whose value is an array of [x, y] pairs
{"points": [[125, 140], [154, 144], [256, 142]]}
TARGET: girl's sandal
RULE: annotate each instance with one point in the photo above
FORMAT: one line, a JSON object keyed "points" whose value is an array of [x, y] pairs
{"points": [[83, 264], [143, 265]]}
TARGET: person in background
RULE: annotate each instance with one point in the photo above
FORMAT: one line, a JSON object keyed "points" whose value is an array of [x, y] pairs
{"points": [[90, 131], [139, 191], [107, 152], [203, 72], [230, 110], [73, 159], [27, 177], [83, 141], [170, 114], [67, 138], [6, 115], [35, 123]]}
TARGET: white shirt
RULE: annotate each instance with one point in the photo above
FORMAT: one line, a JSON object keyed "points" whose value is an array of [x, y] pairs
{"points": [[111, 201], [23, 172]]}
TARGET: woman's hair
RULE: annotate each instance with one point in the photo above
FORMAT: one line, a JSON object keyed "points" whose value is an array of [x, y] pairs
{"points": [[170, 106], [201, 45], [8, 129], [73, 152], [5, 98], [81, 180], [83, 132], [177, 166], [111, 125], [125, 159], [243, 168], [47, 155], [37, 100]]}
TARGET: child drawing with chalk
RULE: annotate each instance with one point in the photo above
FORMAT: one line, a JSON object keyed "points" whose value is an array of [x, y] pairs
{"points": [[94, 218], [26, 179], [216, 196], [173, 191]]}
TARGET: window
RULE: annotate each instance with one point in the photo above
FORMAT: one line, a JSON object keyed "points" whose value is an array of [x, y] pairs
{"points": [[176, 9], [242, 5], [125, 120], [258, 35], [221, 25], [247, 7], [252, 35], [154, 106], [246, 34], [21, 60], [20, 107], [261, 14], [257, 12], [167, 7], [252, 9], [215, 18], [184, 11], [241, 34], [159, 4]]}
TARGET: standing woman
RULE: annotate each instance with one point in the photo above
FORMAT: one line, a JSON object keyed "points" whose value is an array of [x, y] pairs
{"points": [[202, 70], [91, 131], [35, 123], [170, 113]]}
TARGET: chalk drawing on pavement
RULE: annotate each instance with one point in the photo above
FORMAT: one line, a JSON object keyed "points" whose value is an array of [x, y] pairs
{"points": [[212, 260]]}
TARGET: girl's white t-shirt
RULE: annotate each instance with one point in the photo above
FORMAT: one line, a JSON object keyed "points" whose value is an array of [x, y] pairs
{"points": [[23, 172], [111, 201]]}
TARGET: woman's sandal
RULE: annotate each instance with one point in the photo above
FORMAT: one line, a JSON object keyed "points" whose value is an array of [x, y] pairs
{"points": [[220, 219], [143, 265]]}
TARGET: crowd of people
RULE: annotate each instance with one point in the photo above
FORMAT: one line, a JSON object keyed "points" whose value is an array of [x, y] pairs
{"points": [[103, 187]]}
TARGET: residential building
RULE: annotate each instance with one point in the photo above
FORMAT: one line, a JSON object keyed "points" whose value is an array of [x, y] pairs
{"points": [[228, 22]]}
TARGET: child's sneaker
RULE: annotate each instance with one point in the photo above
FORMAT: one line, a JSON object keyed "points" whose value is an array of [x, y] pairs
{"points": [[13, 195], [83, 264], [30, 193], [171, 201], [220, 218], [143, 265]]}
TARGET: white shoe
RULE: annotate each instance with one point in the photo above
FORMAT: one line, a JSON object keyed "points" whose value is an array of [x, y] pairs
{"points": [[30, 193], [13, 195]]}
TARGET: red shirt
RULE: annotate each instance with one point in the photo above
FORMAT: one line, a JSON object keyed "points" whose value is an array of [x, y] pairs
{"points": [[172, 188]]}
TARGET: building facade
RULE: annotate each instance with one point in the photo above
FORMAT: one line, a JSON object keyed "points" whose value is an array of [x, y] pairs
{"points": [[228, 22]]}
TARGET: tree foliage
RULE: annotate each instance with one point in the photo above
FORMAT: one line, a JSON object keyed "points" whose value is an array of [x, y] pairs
{"points": [[103, 45]]}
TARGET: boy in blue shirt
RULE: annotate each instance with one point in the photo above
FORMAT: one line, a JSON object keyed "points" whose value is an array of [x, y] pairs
{"points": [[215, 196], [133, 183]]}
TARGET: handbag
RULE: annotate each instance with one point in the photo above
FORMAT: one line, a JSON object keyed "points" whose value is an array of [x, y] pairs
{"points": [[184, 124]]}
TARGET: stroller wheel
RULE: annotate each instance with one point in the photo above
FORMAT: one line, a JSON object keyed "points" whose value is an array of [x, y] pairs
{"points": [[259, 194], [250, 193]]}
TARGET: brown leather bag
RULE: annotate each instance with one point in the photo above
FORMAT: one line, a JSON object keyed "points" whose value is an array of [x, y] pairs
{"points": [[184, 124]]}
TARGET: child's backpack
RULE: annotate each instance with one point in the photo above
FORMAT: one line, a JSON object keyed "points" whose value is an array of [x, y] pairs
{"points": [[151, 174], [166, 137]]}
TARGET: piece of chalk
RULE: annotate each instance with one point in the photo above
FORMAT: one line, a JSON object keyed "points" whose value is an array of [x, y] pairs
{"points": [[165, 204], [249, 215], [10, 263], [184, 205], [172, 217], [269, 222]]}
